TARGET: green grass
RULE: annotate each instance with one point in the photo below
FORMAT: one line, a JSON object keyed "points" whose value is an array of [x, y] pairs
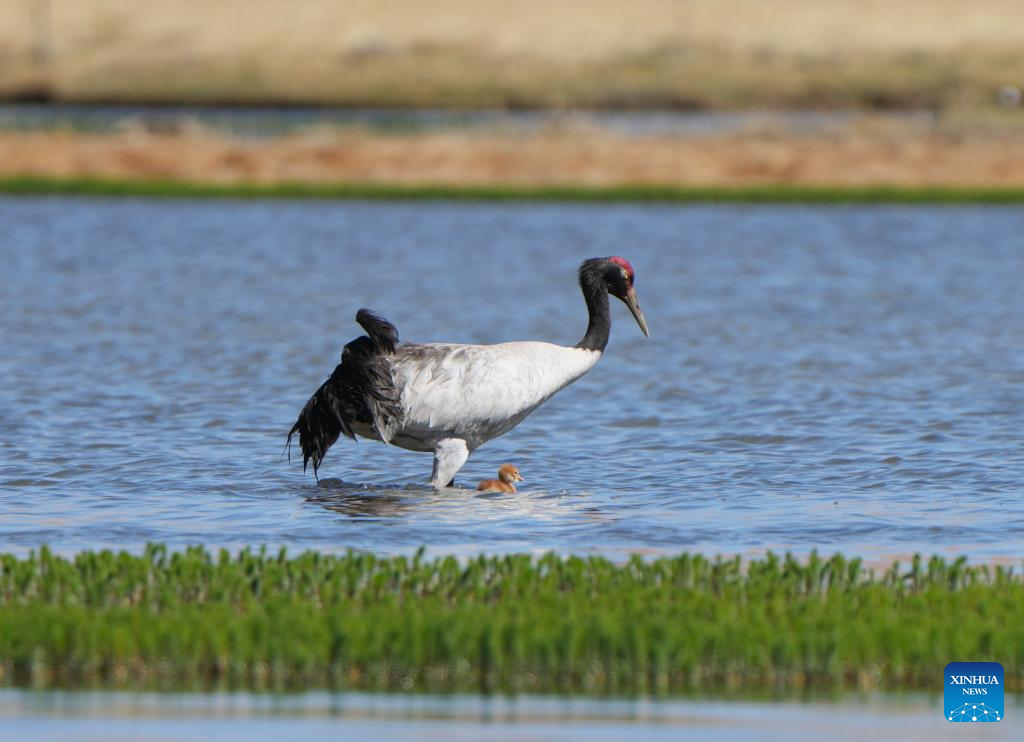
{"points": [[33, 186], [671, 625]]}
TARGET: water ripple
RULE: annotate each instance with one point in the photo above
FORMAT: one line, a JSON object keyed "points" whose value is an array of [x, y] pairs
{"points": [[835, 378]]}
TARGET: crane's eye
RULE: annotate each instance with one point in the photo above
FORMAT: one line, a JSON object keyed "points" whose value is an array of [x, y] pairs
{"points": [[625, 275]]}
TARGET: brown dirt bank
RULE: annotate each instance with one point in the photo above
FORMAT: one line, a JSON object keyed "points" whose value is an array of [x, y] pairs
{"points": [[579, 158]]}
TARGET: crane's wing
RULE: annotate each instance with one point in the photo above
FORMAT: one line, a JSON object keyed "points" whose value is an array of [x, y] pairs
{"points": [[359, 391], [481, 388]]}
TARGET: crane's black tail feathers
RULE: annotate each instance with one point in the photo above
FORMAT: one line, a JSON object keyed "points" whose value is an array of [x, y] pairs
{"points": [[360, 390], [381, 332]]}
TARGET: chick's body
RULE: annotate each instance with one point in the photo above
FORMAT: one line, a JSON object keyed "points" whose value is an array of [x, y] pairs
{"points": [[507, 474]]}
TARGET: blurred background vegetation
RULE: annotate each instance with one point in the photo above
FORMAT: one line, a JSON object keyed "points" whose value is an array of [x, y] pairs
{"points": [[689, 54], [925, 93]]}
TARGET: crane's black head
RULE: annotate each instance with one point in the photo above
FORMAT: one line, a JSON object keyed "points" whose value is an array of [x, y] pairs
{"points": [[617, 275]]}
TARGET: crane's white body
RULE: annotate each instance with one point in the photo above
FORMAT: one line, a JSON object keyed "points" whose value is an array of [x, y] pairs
{"points": [[455, 398]]}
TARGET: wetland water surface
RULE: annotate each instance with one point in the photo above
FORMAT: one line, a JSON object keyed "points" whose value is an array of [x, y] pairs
{"points": [[88, 716], [841, 378], [270, 121]]}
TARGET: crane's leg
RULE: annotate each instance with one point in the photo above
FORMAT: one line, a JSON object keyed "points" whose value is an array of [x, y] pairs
{"points": [[449, 456]]}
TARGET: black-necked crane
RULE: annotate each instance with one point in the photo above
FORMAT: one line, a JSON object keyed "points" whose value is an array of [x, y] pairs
{"points": [[449, 399]]}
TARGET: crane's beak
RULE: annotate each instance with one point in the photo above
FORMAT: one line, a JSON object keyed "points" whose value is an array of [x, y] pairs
{"points": [[638, 315]]}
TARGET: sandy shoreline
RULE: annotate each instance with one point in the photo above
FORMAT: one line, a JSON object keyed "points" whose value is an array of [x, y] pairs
{"points": [[862, 158]]}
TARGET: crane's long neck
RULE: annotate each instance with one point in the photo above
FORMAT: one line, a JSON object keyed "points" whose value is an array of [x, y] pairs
{"points": [[596, 295]]}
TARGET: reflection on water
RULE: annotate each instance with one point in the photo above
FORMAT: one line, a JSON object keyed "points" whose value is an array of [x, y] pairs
{"points": [[846, 378], [365, 501], [448, 506], [30, 715]]}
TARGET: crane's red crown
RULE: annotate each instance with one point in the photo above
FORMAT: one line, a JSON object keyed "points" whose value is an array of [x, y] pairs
{"points": [[622, 263]]}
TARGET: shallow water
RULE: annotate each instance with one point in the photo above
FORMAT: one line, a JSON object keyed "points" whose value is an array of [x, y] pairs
{"points": [[32, 716], [266, 121], [840, 378]]}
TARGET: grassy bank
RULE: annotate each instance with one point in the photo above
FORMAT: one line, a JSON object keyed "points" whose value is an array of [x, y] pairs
{"points": [[172, 620], [795, 194]]}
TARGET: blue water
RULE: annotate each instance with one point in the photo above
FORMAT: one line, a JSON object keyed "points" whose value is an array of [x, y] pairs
{"points": [[841, 378], [35, 716], [267, 121]]}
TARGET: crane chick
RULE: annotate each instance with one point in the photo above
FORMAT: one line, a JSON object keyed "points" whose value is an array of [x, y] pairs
{"points": [[507, 474]]}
